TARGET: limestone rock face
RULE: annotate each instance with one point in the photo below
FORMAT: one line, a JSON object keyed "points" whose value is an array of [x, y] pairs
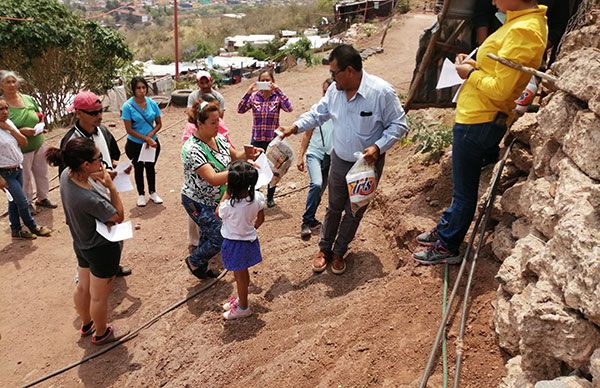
{"points": [[582, 141], [564, 382], [503, 242], [595, 367], [515, 376], [579, 72], [548, 303]]}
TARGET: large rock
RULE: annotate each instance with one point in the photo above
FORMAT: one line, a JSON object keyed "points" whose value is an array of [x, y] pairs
{"points": [[523, 128], [595, 367], [515, 377], [556, 117], [514, 201], [544, 152], [512, 274], [564, 382], [579, 72], [582, 141], [505, 324], [588, 36], [542, 212], [521, 157], [503, 241], [550, 332]]}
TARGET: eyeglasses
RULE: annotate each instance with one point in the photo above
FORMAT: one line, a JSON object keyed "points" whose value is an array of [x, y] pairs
{"points": [[334, 73], [91, 112], [3, 108]]}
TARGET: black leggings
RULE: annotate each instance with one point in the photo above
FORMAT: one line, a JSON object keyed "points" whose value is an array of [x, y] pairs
{"points": [[132, 150]]}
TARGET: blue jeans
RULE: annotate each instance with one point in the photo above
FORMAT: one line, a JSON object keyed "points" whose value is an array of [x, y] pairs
{"points": [[472, 145], [318, 170], [18, 209], [210, 232]]}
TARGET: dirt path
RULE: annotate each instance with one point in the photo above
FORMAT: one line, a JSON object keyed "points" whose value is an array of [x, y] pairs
{"points": [[373, 326]]}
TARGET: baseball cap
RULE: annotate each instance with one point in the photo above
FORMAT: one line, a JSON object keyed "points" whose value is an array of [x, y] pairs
{"points": [[85, 100], [203, 73]]}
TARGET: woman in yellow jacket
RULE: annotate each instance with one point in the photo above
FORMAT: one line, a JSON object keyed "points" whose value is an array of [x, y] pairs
{"points": [[483, 110]]}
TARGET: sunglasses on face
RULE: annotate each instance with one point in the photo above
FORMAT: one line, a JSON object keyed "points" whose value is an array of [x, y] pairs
{"points": [[91, 112]]}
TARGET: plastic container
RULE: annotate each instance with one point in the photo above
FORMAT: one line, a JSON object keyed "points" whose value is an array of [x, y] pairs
{"points": [[527, 96]]}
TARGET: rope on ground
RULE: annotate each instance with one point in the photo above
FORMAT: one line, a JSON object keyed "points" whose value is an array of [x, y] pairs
{"points": [[129, 336], [482, 216]]}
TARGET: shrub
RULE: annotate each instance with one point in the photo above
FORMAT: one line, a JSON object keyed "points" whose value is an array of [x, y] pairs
{"points": [[431, 138]]}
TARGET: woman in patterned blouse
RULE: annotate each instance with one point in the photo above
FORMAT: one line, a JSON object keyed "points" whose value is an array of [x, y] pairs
{"points": [[265, 105], [206, 155]]}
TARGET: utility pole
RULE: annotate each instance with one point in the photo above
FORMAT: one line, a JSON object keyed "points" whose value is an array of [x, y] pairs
{"points": [[176, 32]]}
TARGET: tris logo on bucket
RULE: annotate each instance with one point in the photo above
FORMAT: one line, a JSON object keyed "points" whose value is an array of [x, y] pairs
{"points": [[363, 186]]}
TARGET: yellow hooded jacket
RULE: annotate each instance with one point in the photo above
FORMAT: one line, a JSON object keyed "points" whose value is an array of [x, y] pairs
{"points": [[493, 87]]}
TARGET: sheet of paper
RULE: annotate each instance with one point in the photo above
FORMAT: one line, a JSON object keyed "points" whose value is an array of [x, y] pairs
{"points": [[457, 92], [122, 182], [264, 171], [117, 232], [449, 77], [8, 196], [148, 154], [122, 166], [39, 128]]}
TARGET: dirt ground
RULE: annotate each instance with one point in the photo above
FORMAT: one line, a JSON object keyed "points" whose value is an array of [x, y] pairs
{"points": [[372, 326]]}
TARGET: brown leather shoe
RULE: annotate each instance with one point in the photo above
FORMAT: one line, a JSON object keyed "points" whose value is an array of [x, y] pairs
{"points": [[320, 260], [338, 265]]}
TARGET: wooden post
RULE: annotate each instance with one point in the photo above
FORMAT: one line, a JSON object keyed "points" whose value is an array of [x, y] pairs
{"points": [[176, 37]]}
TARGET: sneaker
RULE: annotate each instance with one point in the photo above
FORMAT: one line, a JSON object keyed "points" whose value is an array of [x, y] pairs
{"points": [[437, 254], [123, 271], [428, 239], [46, 203], [155, 198], [233, 301], [141, 201], [235, 312], [41, 231], [305, 231], [23, 234], [111, 335], [270, 202]]}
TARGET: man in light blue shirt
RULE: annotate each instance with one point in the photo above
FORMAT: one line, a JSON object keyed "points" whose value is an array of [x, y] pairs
{"points": [[366, 117]]}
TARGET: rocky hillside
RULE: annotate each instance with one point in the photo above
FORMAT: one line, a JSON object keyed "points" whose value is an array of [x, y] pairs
{"points": [[548, 237]]}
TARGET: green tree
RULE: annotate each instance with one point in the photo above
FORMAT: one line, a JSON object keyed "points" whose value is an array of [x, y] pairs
{"points": [[58, 53], [203, 49]]}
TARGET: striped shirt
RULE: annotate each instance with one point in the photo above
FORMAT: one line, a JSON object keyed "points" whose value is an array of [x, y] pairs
{"points": [[265, 112]]}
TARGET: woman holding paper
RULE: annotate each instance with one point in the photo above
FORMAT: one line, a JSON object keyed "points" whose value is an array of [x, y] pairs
{"points": [[11, 160], [141, 116], [25, 114], [484, 110], [265, 99], [205, 156], [97, 258]]}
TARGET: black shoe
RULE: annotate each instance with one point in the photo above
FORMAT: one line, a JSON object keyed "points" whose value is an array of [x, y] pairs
{"points": [[46, 203], [270, 202], [314, 224], [437, 254], [305, 232], [428, 239], [123, 271], [201, 273]]}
